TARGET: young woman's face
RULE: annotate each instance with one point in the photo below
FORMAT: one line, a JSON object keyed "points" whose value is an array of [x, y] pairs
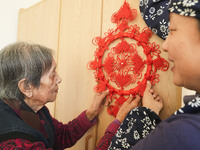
{"points": [[183, 47]]}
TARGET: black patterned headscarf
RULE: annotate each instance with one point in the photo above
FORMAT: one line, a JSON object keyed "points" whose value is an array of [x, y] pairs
{"points": [[185, 7], [156, 13]]}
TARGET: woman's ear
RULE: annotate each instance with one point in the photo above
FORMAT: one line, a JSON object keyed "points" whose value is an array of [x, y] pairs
{"points": [[25, 88]]}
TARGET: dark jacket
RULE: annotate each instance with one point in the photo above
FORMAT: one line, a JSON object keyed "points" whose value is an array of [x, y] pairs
{"points": [[19, 121]]}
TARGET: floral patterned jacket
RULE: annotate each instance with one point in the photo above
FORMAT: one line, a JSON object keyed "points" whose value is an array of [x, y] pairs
{"points": [[181, 131]]}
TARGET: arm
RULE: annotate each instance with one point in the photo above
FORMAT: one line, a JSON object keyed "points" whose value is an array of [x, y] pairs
{"points": [[66, 135], [136, 126], [110, 132], [112, 128], [179, 132], [139, 122]]}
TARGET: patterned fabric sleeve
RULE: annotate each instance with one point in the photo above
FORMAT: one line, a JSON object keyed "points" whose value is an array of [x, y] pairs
{"points": [[66, 135], [110, 132], [14, 144], [137, 125]]}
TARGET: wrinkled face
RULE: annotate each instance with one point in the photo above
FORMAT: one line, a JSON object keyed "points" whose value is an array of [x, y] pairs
{"points": [[48, 89], [183, 47]]}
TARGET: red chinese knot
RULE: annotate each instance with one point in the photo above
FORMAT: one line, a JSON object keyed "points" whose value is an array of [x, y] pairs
{"points": [[123, 65]]}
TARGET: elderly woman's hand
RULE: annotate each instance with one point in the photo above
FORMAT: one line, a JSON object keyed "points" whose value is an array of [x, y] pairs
{"points": [[127, 106], [97, 104], [151, 99]]}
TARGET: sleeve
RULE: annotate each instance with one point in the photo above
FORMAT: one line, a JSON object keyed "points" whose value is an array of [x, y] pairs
{"points": [[178, 133], [66, 135], [138, 123], [110, 132], [14, 144]]}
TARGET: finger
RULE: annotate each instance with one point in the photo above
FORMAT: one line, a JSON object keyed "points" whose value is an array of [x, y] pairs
{"points": [[159, 99], [140, 104], [102, 96], [135, 102], [151, 91], [130, 99], [99, 93], [104, 93], [137, 99], [155, 94], [148, 87], [107, 103]]}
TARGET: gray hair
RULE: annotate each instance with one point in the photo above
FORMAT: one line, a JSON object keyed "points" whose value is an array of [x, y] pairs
{"points": [[22, 60]]}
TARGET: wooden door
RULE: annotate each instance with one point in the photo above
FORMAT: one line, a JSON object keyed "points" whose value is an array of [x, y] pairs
{"points": [[166, 89], [80, 22], [40, 24]]}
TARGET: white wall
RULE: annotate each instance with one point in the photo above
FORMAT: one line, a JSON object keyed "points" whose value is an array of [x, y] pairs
{"points": [[9, 10], [9, 19], [186, 92]]}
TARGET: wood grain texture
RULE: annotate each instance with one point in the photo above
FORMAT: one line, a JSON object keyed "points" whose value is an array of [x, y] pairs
{"points": [[40, 24], [80, 23]]}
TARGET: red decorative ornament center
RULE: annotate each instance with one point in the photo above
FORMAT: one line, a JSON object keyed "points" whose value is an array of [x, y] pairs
{"points": [[123, 66]]}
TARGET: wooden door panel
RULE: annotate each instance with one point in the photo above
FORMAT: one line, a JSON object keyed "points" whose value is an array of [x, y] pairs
{"points": [[80, 22], [40, 24]]}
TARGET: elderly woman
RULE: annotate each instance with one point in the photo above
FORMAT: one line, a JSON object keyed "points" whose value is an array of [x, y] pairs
{"points": [[28, 81], [181, 131]]}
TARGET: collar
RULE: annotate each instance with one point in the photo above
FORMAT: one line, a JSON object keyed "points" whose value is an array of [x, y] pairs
{"points": [[192, 105], [27, 115]]}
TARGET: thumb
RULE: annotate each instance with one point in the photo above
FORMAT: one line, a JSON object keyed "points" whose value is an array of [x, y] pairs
{"points": [[129, 99], [105, 93], [148, 87], [135, 102]]}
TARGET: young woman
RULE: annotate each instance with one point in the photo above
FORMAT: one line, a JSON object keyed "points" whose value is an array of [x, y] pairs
{"points": [[181, 131]]}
